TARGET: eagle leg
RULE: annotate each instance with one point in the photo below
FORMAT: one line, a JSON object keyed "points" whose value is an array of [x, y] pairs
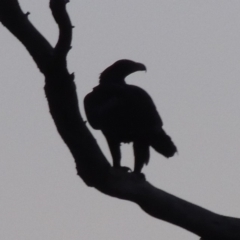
{"points": [[114, 147], [141, 153]]}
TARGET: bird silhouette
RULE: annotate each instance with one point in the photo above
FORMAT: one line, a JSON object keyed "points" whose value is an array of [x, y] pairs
{"points": [[126, 113]]}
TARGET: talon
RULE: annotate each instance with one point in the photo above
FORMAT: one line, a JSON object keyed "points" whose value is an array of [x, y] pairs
{"points": [[124, 169], [139, 176]]}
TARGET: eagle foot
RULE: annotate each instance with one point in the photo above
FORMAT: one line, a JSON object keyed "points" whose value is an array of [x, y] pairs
{"points": [[138, 176], [124, 169], [121, 171]]}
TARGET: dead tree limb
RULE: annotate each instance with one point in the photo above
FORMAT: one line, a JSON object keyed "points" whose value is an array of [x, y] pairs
{"points": [[91, 164]]}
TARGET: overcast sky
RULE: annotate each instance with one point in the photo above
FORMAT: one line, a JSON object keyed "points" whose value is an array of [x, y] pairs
{"points": [[192, 52]]}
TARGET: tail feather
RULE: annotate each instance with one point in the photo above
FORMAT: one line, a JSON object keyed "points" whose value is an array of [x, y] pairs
{"points": [[163, 144]]}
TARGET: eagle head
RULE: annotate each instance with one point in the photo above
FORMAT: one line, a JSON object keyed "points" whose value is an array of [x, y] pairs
{"points": [[119, 70]]}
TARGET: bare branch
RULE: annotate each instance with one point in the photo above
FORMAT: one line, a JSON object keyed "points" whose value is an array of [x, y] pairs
{"points": [[65, 27], [91, 164], [18, 24]]}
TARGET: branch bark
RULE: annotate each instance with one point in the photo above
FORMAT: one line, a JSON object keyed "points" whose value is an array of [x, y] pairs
{"points": [[91, 164]]}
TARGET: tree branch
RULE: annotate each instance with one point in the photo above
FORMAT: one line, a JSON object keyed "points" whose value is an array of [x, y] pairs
{"points": [[91, 164], [18, 24], [65, 28]]}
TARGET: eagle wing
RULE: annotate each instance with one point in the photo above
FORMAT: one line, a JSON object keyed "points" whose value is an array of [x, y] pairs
{"points": [[124, 108]]}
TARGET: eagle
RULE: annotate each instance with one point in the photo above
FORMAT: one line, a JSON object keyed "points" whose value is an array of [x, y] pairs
{"points": [[126, 113]]}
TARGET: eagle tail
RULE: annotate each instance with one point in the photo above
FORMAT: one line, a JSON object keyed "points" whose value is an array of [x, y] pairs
{"points": [[163, 144]]}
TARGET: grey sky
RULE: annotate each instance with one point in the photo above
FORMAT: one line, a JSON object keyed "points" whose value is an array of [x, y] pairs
{"points": [[192, 52]]}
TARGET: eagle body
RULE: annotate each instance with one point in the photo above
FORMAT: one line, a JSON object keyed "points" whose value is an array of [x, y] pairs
{"points": [[126, 113]]}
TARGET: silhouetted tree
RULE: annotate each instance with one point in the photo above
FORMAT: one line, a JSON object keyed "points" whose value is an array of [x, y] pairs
{"points": [[91, 164]]}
